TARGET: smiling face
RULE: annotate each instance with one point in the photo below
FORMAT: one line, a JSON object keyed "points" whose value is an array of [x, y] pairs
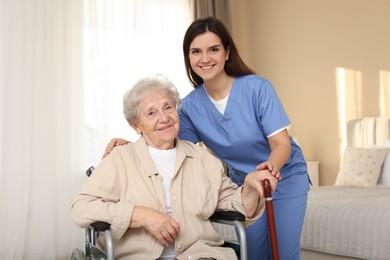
{"points": [[207, 56], [158, 121]]}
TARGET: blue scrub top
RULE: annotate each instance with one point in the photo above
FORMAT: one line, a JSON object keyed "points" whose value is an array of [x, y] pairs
{"points": [[239, 136]]}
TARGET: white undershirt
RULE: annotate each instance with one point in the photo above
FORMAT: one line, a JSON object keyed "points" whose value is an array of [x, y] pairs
{"points": [[219, 104], [164, 161]]}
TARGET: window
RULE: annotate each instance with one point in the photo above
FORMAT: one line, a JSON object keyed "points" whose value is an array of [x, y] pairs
{"points": [[123, 41]]}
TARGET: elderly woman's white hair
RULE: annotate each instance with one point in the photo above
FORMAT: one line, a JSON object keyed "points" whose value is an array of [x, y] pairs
{"points": [[145, 86]]}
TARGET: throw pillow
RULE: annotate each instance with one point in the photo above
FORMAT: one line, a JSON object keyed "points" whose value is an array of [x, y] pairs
{"points": [[360, 167], [384, 177]]}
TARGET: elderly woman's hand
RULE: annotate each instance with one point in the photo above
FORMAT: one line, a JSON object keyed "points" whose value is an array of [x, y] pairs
{"points": [[253, 189], [162, 226], [253, 181]]}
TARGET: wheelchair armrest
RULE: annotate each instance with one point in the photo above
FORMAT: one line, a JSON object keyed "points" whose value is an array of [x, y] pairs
{"points": [[91, 236], [227, 215], [235, 219], [100, 226]]}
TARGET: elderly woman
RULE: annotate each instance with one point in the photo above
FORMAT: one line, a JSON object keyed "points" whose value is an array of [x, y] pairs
{"points": [[159, 192]]}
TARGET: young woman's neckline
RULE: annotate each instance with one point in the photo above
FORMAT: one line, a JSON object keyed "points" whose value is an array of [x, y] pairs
{"points": [[219, 89]]}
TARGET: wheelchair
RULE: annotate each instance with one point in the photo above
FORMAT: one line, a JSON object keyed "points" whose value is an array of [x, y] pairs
{"points": [[92, 233]]}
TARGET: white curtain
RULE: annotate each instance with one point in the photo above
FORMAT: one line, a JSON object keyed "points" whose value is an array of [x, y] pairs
{"points": [[40, 119], [126, 40], [61, 88]]}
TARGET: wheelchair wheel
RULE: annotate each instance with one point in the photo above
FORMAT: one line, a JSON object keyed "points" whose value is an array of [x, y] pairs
{"points": [[78, 254]]}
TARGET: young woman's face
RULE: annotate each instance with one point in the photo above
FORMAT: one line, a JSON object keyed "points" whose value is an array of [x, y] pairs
{"points": [[207, 56]]}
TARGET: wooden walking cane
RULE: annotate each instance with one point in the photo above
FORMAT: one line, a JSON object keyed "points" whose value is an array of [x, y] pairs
{"points": [[271, 219]]}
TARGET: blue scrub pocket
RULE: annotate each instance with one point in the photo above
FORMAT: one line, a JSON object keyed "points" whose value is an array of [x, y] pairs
{"points": [[236, 176]]}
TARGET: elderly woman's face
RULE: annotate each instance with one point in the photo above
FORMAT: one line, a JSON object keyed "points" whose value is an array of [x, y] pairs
{"points": [[158, 121]]}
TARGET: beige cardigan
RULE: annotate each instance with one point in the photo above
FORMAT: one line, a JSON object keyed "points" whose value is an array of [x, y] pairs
{"points": [[127, 177]]}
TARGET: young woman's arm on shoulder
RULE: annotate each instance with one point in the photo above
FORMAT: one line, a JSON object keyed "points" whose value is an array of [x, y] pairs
{"points": [[114, 142]]}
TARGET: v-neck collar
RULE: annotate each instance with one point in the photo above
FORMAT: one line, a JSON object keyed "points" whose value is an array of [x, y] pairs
{"points": [[221, 118]]}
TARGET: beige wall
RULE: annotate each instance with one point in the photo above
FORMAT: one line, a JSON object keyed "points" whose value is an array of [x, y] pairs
{"points": [[298, 44]]}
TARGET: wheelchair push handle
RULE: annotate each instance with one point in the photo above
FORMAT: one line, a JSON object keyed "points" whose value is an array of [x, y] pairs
{"points": [[89, 171]]}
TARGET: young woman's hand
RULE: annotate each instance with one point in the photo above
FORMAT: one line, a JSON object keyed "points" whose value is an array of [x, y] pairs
{"points": [[114, 142], [268, 166]]}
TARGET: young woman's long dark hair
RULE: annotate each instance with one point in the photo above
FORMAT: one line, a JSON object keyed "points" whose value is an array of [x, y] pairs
{"points": [[233, 67]]}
